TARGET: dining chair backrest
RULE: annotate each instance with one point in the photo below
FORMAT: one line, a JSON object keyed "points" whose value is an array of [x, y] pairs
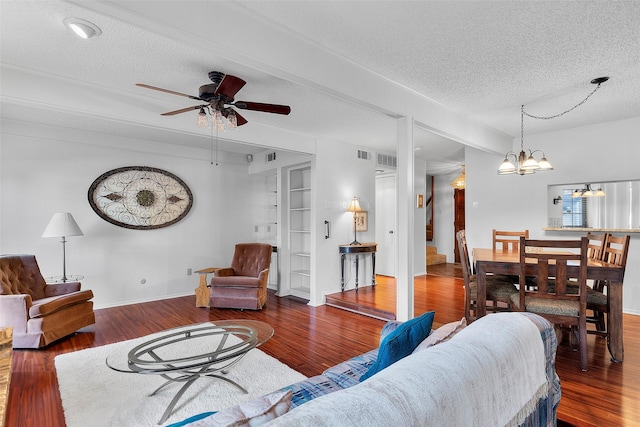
{"points": [[595, 245], [465, 261], [547, 261], [508, 241], [616, 249]]}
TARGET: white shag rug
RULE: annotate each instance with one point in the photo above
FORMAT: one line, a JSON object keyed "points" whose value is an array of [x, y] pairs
{"points": [[95, 395]]}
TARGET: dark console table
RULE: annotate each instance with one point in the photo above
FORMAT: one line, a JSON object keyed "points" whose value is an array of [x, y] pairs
{"points": [[357, 250]]}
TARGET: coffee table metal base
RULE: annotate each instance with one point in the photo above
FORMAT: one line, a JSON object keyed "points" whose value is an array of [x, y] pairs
{"points": [[170, 356]]}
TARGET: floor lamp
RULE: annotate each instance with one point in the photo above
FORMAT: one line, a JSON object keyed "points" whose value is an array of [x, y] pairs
{"points": [[62, 225], [354, 207]]}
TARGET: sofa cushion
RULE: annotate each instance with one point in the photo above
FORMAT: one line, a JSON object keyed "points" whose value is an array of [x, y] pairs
{"points": [[401, 342], [442, 334], [252, 413], [348, 373], [45, 306], [236, 281], [306, 390]]}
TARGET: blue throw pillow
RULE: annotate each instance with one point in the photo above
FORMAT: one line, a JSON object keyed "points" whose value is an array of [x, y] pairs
{"points": [[401, 342]]}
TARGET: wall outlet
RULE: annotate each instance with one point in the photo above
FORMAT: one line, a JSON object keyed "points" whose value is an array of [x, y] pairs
{"points": [[189, 272]]}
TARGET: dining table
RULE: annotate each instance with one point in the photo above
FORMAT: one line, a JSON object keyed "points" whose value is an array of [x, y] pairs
{"points": [[490, 261]]}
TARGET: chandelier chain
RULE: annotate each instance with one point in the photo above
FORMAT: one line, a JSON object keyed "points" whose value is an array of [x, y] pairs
{"points": [[564, 112]]}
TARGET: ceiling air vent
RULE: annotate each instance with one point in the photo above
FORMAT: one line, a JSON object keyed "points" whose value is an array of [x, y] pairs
{"points": [[270, 157], [365, 155], [387, 160]]}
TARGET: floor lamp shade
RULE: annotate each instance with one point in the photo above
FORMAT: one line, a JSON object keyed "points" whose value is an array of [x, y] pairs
{"points": [[62, 225]]}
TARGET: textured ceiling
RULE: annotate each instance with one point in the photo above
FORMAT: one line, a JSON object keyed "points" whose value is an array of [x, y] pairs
{"points": [[478, 59], [486, 58]]}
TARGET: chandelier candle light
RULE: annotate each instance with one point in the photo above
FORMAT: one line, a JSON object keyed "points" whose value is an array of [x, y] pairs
{"points": [[525, 164]]}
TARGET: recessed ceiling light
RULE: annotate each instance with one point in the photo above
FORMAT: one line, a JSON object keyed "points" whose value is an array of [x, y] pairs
{"points": [[82, 28]]}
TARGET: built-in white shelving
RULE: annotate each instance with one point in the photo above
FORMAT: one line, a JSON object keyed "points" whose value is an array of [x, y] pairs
{"points": [[299, 231]]}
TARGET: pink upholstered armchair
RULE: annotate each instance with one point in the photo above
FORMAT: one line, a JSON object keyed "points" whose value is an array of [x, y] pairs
{"points": [[39, 313], [244, 284]]}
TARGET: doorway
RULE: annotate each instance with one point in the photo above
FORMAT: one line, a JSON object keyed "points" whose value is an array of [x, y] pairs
{"points": [[458, 219], [385, 206]]}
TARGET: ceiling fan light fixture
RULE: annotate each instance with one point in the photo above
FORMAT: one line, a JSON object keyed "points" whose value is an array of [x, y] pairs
{"points": [[232, 120], [217, 120], [83, 29], [203, 120]]}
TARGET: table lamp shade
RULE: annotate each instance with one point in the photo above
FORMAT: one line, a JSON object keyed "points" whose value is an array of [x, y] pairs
{"points": [[354, 206], [62, 224]]}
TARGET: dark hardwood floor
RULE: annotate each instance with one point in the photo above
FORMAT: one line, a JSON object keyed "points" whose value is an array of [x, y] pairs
{"points": [[310, 339]]}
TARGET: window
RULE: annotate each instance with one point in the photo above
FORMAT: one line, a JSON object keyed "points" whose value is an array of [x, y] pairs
{"points": [[574, 210]]}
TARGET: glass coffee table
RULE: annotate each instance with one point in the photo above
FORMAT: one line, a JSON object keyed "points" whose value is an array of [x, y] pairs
{"points": [[190, 352]]}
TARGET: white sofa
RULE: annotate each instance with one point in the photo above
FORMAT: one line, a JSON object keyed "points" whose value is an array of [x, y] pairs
{"points": [[498, 371]]}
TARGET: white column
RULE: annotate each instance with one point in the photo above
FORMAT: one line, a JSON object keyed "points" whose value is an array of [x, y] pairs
{"points": [[405, 220]]}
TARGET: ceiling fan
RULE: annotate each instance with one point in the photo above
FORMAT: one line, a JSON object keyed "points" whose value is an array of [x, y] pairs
{"points": [[219, 100]]}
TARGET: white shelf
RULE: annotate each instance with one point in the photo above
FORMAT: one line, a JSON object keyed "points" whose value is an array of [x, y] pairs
{"points": [[306, 273], [299, 231]]}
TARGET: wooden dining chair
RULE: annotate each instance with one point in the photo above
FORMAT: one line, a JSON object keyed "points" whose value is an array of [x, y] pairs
{"points": [[553, 298], [595, 245], [508, 241], [615, 251], [595, 248], [499, 290]]}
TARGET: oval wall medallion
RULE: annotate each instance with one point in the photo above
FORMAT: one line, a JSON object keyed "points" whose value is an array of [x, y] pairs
{"points": [[140, 197]]}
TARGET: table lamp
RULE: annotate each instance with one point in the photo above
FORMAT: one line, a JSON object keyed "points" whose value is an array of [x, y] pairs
{"points": [[354, 207], [62, 225]]}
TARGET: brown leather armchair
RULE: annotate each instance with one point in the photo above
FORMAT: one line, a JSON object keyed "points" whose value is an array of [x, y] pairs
{"points": [[244, 284], [38, 312]]}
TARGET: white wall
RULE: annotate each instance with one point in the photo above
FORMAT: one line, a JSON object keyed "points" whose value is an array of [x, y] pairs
{"points": [[47, 169], [603, 152], [338, 176]]}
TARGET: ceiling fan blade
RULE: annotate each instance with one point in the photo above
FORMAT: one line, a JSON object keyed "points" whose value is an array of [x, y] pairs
{"points": [[168, 91], [267, 108], [183, 110], [229, 86], [240, 120]]}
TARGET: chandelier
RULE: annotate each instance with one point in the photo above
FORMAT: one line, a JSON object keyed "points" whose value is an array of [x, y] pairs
{"points": [[460, 182], [587, 191], [525, 163]]}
